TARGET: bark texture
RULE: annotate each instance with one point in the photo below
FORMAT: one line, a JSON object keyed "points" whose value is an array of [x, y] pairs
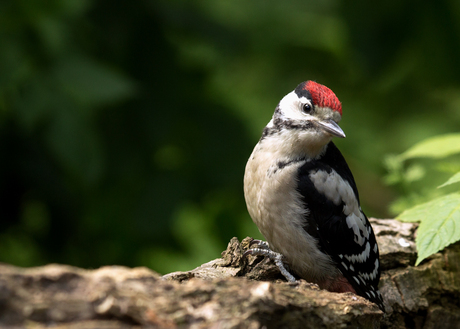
{"points": [[234, 292]]}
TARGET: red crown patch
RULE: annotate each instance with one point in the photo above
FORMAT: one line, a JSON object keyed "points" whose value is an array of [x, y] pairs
{"points": [[322, 96]]}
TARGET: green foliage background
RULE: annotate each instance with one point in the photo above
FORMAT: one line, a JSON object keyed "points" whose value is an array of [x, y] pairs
{"points": [[125, 125], [437, 209]]}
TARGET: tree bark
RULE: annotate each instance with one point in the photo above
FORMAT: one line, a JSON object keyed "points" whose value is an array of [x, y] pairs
{"points": [[233, 292]]}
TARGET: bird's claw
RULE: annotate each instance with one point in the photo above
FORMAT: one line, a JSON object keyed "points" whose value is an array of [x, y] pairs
{"points": [[264, 250], [260, 244]]}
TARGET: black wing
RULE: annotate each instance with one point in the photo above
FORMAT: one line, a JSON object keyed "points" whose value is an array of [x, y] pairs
{"points": [[327, 222]]}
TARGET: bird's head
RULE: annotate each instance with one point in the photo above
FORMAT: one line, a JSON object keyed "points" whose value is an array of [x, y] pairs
{"points": [[309, 116]]}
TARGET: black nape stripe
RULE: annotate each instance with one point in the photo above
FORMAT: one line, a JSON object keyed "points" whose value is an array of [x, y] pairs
{"points": [[301, 91]]}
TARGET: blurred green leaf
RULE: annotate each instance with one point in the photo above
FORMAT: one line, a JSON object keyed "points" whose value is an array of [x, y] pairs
{"points": [[435, 147], [394, 168], [91, 83], [169, 157], [439, 226], [36, 218], [76, 146], [38, 102], [454, 179], [194, 230], [414, 173], [450, 166], [19, 249]]}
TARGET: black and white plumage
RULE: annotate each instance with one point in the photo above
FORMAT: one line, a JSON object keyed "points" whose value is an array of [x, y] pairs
{"points": [[302, 196]]}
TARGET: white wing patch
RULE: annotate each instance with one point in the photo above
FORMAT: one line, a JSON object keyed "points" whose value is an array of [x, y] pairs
{"points": [[373, 274], [338, 190], [362, 257]]}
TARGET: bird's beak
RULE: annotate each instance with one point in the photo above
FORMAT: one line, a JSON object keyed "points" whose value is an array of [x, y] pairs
{"points": [[331, 127]]}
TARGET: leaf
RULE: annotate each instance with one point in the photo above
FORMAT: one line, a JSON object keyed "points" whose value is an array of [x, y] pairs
{"points": [[415, 214], [454, 179], [92, 83], [414, 173], [76, 146], [436, 147], [440, 224]]}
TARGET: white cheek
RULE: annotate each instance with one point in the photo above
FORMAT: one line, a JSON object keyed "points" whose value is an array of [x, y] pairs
{"points": [[290, 107]]}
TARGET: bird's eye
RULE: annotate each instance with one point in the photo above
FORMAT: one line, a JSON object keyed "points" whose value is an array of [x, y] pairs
{"points": [[306, 108]]}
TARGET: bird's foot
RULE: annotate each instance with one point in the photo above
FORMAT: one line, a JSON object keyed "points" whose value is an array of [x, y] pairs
{"points": [[260, 244], [263, 249]]}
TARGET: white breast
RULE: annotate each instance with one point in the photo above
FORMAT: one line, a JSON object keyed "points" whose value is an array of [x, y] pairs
{"points": [[276, 207]]}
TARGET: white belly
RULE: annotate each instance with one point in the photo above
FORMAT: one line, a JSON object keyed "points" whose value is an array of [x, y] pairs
{"points": [[276, 208]]}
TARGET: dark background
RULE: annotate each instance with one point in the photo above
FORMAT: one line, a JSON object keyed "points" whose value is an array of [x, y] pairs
{"points": [[125, 125]]}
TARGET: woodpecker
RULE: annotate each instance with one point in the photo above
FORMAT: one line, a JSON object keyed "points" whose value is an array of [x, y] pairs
{"points": [[302, 196]]}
